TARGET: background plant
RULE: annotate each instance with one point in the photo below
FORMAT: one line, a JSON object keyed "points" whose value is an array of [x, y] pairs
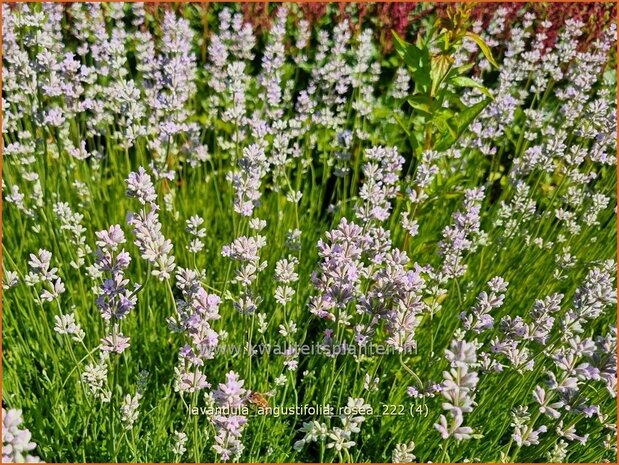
{"points": [[178, 180]]}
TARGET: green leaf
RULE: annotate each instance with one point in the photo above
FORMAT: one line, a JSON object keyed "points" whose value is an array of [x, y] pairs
{"points": [[483, 46], [462, 121], [381, 112], [464, 81], [417, 59], [463, 68], [410, 135], [454, 99], [439, 67], [422, 79], [411, 54], [399, 44], [422, 103], [445, 126], [305, 66], [465, 118]]}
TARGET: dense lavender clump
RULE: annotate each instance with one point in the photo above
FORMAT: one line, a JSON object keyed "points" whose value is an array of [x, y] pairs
{"points": [[258, 233]]}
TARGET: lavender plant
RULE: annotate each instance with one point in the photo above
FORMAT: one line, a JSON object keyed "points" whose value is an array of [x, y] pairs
{"points": [[234, 236]]}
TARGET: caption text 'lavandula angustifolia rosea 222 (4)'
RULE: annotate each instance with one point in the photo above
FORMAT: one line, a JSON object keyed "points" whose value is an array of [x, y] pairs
{"points": [[309, 232]]}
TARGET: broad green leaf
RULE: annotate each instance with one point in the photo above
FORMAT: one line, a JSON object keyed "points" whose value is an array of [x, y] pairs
{"points": [[421, 103], [410, 53], [464, 81], [466, 117], [463, 68], [483, 46], [462, 121], [381, 112], [418, 61], [419, 41], [446, 113], [445, 126], [400, 44], [440, 65], [454, 99], [422, 79]]}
